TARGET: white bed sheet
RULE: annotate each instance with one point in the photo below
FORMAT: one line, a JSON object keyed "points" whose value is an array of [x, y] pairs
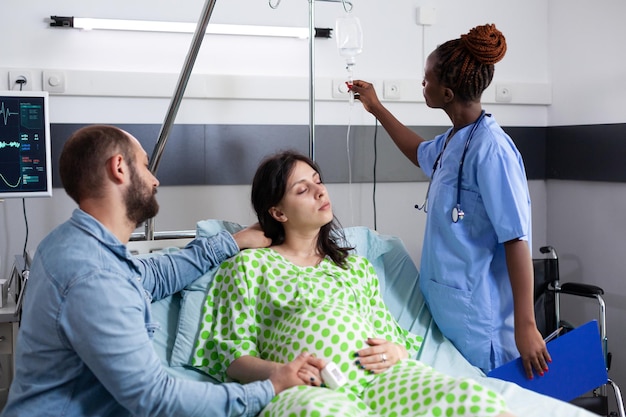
{"points": [[399, 281]]}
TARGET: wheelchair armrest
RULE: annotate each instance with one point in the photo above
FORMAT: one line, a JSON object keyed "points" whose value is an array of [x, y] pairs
{"points": [[584, 290]]}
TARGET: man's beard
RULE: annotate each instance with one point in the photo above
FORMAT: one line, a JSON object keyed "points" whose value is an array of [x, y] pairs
{"points": [[140, 200]]}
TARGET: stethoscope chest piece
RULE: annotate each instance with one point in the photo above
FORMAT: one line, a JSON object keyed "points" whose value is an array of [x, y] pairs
{"points": [[457, 213]]}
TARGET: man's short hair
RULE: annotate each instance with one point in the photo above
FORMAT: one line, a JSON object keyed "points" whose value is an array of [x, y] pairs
{"points": [[85, 155]]}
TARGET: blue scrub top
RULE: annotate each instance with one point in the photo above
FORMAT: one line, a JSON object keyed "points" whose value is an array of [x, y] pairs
{"points": [[463, 272]]}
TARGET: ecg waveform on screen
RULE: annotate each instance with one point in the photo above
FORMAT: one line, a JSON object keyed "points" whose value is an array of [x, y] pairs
{"points": [[9, 145], [6, 113], [19, 180]]}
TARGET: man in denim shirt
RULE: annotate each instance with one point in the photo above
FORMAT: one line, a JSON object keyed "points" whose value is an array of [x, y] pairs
{"points": [[84, 345]]}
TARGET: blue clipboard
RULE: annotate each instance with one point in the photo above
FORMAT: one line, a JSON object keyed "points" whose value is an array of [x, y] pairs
{"points": [[577, 367]]}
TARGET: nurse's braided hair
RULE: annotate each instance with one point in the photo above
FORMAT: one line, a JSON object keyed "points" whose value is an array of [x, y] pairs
{"points": [[466, 65]]}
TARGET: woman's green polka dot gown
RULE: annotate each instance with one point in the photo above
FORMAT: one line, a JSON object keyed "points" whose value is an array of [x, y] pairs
{"points": [[262, 305]]}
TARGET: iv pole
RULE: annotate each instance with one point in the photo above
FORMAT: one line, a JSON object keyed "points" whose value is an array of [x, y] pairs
{"points": [[312, 72], [183, 79], [312, 79]]}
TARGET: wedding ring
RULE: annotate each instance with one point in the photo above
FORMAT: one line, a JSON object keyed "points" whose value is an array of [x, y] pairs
{"points": [[383, 357]]}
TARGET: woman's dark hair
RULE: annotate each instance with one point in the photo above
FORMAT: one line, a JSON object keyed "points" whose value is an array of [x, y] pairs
{"points": [[466, 65], [84, 155], [268, 189]]}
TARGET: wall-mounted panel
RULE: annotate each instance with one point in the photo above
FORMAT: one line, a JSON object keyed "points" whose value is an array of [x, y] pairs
{"points": [[84, 83], [587, 153], [198, 154]]}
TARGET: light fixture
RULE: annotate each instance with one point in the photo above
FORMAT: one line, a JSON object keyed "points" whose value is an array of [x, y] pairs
{"points": [[86, 23]]}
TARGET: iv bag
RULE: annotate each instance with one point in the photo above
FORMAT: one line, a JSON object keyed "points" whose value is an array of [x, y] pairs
{"points": [[349, 37]]}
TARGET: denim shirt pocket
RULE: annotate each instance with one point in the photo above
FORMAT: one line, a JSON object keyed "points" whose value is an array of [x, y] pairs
{"points": [[152, 328]]}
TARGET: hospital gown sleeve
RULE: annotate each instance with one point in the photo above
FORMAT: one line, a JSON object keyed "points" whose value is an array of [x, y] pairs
{"points": [[229, 328]]}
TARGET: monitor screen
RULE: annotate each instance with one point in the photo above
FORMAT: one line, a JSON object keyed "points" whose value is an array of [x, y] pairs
{"points": [[25, 169]]}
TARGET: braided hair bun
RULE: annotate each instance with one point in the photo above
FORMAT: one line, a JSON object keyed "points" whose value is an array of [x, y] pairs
{"points": [[485, 43], [466, 65]]}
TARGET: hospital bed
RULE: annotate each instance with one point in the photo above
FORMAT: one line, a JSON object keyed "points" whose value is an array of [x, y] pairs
{"points": [[180, 314]]}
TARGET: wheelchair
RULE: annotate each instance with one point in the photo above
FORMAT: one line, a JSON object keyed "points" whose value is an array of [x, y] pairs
{"points": [[547, 295]]}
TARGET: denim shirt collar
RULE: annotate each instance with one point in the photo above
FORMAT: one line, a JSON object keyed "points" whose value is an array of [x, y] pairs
{"points": [[92, 226]]}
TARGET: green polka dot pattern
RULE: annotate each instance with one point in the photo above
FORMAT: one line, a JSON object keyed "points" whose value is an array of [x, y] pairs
{"points": [[408, 389], [262, 305]]}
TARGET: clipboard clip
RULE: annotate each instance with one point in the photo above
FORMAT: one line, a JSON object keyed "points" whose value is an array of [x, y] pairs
{"points": [[553, 334]]}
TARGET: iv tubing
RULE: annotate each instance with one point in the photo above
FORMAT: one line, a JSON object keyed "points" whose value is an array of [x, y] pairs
{"points": [[349, 158]]}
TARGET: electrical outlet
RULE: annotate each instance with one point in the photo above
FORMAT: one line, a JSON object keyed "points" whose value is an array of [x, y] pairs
{"points": [[504, 93], [391, 90], [16, 76], [340, 89], [53, 81]]}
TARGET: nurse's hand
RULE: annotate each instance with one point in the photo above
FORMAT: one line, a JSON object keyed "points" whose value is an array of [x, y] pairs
{"points": [[533, 350], [251, 237], [366, 93]]}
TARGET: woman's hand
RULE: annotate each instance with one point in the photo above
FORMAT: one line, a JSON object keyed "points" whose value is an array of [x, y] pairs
{"points": [[380, 356], [532, 349], [366, 93]]}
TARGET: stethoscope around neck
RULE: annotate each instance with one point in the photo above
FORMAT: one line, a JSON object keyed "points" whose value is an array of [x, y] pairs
{"points": [[457, 211]]}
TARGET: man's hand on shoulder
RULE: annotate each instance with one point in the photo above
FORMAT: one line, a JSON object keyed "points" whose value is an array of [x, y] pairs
{"points": [[251, 237]]}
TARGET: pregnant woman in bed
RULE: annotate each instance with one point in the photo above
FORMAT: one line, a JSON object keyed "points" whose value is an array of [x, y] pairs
{"points": [[308, 292]]}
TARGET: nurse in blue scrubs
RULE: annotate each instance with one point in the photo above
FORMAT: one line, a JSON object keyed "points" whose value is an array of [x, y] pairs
{"points": [[476, 272]]}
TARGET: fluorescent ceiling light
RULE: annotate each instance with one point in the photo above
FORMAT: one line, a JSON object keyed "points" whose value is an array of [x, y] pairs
{"points": [[87, 23]]}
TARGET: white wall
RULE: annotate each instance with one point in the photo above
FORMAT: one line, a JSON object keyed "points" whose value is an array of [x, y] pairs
{"points": [[586, 43], [393, 49], [588, 69]]}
